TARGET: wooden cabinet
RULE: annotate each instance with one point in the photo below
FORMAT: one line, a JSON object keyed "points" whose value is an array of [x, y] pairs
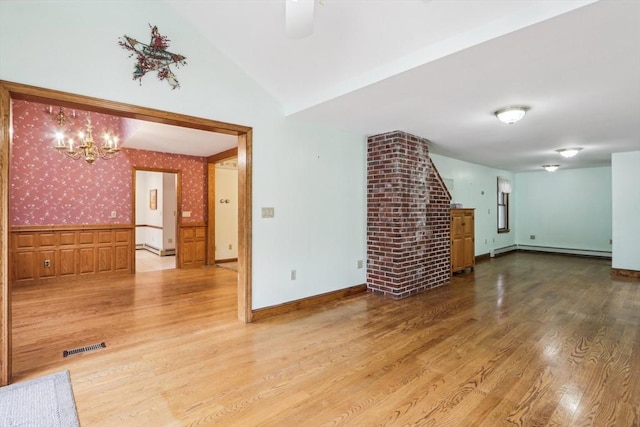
{"points": [[462, 239]]}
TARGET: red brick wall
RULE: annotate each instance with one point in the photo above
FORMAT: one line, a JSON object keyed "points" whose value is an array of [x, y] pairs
{"points": [[407, 217]]}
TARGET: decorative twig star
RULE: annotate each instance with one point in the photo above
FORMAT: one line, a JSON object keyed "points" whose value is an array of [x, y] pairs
{"points": [[153, 57]]}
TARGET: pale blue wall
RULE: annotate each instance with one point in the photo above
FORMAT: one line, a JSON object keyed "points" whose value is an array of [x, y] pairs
{"points": [[568, 209], [626, 210], [475, 186]]}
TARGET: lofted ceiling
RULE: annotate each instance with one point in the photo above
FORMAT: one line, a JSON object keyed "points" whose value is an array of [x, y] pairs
{"points": [[439, 69]]}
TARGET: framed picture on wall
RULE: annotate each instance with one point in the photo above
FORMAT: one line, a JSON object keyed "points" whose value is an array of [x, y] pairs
{"points": [[153, 199]]}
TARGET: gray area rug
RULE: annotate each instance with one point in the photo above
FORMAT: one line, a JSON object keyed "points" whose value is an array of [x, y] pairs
{"points": [[40, 402]]}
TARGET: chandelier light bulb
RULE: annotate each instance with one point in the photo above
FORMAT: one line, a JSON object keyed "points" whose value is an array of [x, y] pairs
{"points": [[510, 115], [569, 152], [86, 148]]}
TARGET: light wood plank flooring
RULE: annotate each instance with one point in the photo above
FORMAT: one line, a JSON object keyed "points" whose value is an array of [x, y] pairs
{"points": [[525, 340]]}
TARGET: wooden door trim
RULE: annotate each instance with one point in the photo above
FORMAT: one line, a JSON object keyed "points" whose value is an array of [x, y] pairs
{"points": [[11, 90], [245, 173], [211, 214], [5, 289]]}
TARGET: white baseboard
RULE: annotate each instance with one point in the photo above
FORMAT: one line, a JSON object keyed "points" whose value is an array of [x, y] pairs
{"points": [[157, 251], [499, 251], [566, 251]]}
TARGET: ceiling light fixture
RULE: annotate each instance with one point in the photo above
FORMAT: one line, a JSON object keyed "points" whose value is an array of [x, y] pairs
{"points": [[86, 148], [551, 168], [510, 115], [569, 152], [299, 18]]}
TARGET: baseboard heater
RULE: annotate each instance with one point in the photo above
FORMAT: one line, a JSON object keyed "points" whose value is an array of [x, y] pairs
{"points": [[499, 251], [157, 251], [565, 251]]}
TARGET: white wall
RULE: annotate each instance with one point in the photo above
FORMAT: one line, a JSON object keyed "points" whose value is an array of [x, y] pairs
{"points": [[226, 213], [626, 210], [569, 209], [146, 181], [319, 196], [475, 186]]}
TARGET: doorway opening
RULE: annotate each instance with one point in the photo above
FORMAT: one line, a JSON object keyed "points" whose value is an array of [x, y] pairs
{"points": [[156, 221], [14, 91]]}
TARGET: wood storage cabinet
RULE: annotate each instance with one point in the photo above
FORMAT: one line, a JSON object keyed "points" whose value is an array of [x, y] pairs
{"points": [[462, 240]]}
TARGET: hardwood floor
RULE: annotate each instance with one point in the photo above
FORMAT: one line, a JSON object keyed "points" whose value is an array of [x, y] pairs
{"points": [[525, 340]]}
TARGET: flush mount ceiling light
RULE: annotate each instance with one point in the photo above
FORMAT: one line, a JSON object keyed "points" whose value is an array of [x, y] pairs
{"points": [[551, 168], [569, 152], [510, 115]]}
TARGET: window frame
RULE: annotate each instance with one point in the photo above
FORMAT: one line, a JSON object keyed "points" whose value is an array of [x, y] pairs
{"points": [[504, 197]]}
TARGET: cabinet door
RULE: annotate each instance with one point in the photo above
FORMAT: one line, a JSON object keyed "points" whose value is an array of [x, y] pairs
{"points": [[457, 255], [468, 252], [469, 240], [457, 243], [467, 224]]}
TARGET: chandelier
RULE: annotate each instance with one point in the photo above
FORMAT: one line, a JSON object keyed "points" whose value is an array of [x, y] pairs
{"points": [[86, 148]]}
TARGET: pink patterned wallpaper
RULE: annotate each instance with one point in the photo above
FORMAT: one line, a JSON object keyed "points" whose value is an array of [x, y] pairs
{"points": [[47, 188]]}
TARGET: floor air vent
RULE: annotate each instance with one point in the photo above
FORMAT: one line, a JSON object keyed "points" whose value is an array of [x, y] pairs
{"points": [[82, 350]]}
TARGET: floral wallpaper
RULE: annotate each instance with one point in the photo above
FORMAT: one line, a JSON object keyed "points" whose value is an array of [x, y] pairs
{"points": [[47, 188]]}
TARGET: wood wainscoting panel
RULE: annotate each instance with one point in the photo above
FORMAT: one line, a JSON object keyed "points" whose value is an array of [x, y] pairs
{"points": [[105, 236], [43, 256], [122, 258], [86, 237], [24, 265], [67, 238], [40, 253], [87, 260], [105, 259], [47, 239], [193, 245], [67, 262]]}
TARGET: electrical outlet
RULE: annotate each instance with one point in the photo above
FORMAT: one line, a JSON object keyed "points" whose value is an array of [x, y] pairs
{"points": [[532, 237], [293, 275], [230, 246], [268, 212], [360, 263], [113, 214], [485, 241], [47, 263], [611, 241], [170, 241]]}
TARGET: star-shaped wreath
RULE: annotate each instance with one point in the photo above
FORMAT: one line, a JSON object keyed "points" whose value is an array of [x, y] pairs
{"points": [[153, 57]]}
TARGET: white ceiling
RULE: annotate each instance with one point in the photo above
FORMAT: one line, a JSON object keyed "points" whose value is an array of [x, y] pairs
{"points": [[438, 69], [172, 139]]}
